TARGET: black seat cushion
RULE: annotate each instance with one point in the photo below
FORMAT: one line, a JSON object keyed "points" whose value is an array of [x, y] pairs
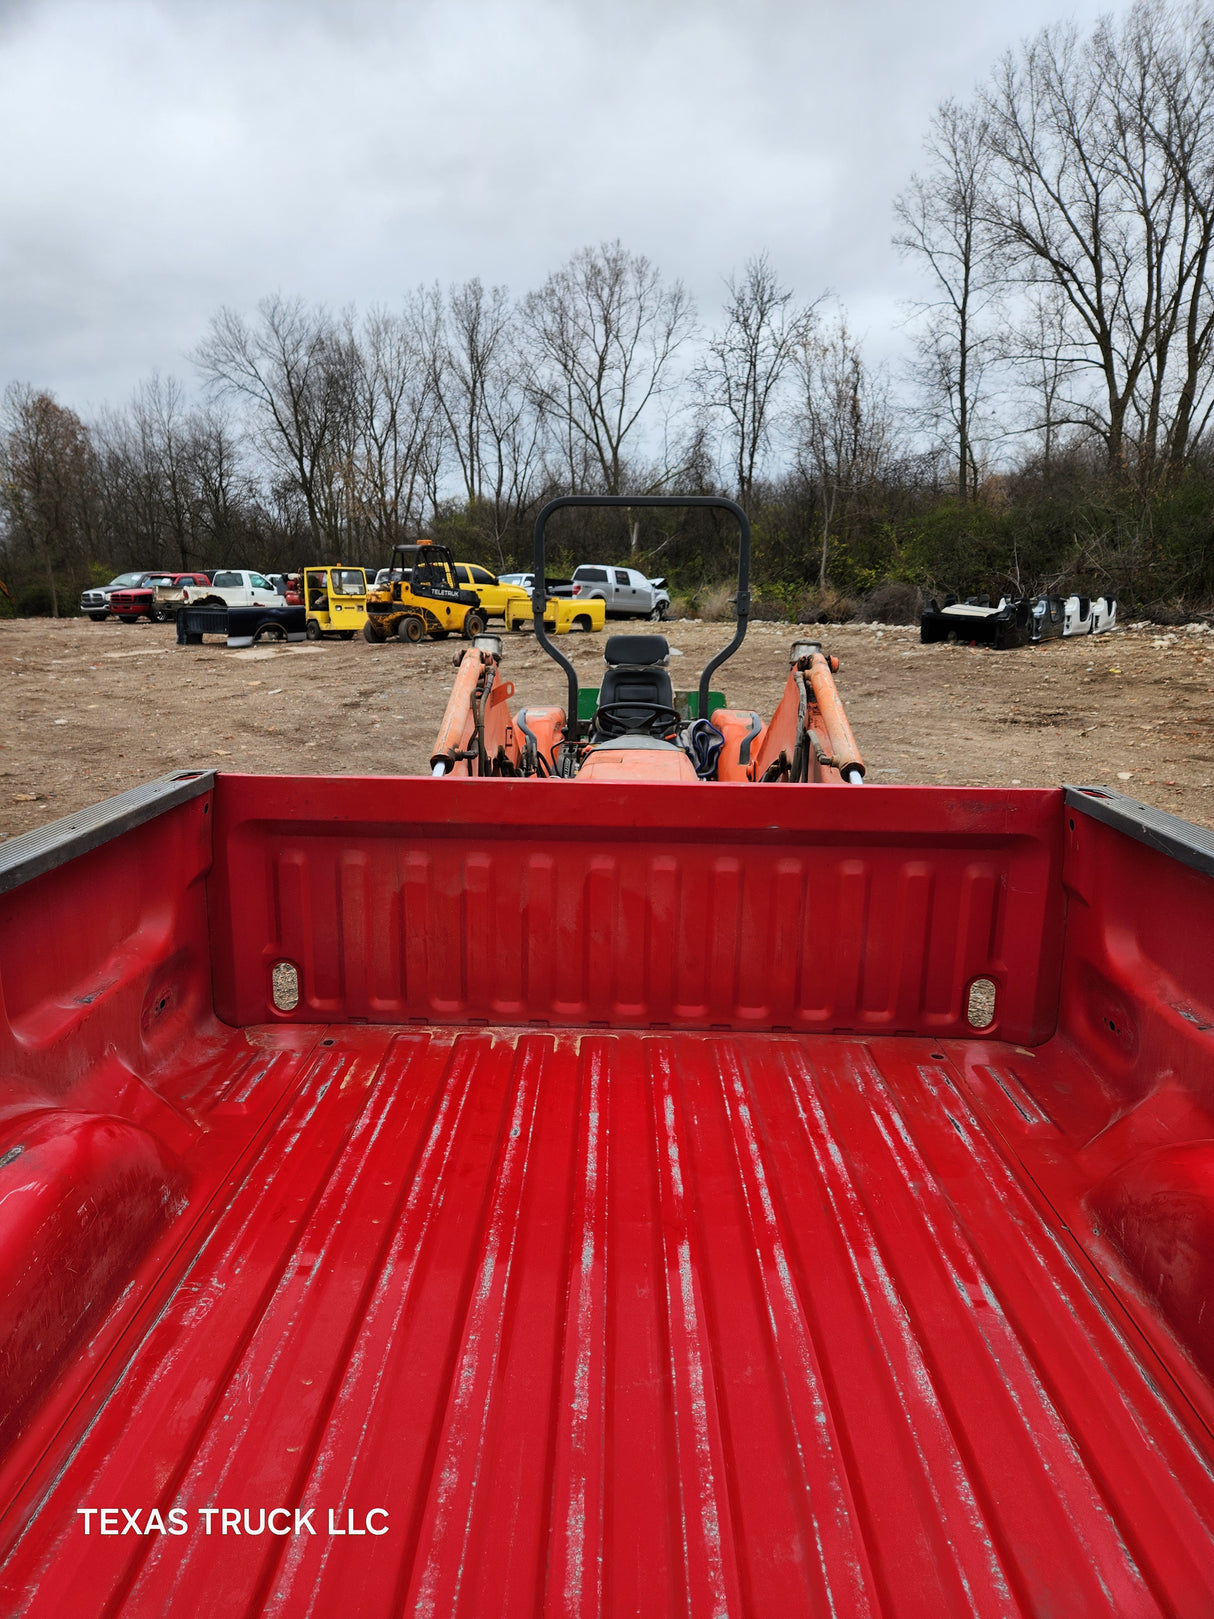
{"points": [[646, 685], [636, 649]]}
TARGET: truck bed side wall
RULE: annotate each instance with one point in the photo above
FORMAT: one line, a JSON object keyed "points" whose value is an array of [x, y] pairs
{"points": [[1138, 986], [1137, 998], [105, 1014], [838, 910], [105, 966]]}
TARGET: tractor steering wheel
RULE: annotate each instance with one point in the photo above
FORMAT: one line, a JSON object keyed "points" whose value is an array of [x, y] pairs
{"points": [[635, 717]]}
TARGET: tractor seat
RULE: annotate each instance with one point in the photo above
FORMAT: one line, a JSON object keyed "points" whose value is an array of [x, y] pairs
{"points": [[636, 649], [634, 686]]}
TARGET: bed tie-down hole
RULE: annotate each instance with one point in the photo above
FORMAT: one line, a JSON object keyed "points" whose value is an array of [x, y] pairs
{"points": [[980, 1003], [284, 980]]}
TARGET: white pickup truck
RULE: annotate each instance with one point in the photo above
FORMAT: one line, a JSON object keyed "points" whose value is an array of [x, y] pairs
{"points": [[625, 592], [233, 587]]}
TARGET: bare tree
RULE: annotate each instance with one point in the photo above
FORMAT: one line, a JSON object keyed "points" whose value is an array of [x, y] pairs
{"points": [[1044, 357], [844, 424], [396, 422], [739, 381], [172, 489], [296, 370], [224, 495], [47, 483], [942, 223], [161, 433], [495, 425], [605, 330], [1102, 185]]}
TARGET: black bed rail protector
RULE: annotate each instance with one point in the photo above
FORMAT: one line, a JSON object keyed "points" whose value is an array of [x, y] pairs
{"points": [[29, 855], [1192, 845]]}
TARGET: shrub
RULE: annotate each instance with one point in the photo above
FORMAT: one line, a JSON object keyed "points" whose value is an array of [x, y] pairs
{"points": [[829, 606], [766, 609], [893, 602]]}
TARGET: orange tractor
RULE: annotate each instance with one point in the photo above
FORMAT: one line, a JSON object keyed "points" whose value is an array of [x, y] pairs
{"points": [[636, 727]]}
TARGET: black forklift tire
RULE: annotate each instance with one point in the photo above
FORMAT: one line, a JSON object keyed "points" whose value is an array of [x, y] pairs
{"points": [[313, 630], [373, 633], [411, 629], [474, 625]]}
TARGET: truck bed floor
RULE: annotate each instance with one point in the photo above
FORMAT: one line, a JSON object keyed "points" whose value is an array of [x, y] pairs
{"points": [[658, 1323]]}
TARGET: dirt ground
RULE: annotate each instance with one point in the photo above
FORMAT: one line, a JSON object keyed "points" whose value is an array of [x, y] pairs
{"points": [[88, 710]]}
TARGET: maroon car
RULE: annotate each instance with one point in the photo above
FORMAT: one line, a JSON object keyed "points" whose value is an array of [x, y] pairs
{"points": [[140, 601]]}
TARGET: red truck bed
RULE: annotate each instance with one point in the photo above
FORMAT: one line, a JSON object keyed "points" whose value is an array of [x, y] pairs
{"points": [[724, 1269]]}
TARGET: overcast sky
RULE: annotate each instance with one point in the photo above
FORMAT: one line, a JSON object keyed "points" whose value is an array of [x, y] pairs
{"points": [[163, 157]]}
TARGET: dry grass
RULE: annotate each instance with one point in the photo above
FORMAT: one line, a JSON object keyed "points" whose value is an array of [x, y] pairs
{"points": [[717, 604]]}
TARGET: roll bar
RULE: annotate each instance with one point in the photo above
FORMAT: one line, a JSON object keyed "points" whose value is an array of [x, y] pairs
{"points": [[540, 588]]}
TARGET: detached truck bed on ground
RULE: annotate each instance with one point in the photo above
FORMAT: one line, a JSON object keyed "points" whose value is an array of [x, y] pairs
{"points": [[483, 1197]]}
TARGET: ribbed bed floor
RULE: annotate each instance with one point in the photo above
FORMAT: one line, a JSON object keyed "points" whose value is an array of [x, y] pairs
{"points": [[625, 1324]]}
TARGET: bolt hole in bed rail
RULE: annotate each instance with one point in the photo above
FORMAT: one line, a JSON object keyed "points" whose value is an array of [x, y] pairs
{"points": [[622, 1187]]}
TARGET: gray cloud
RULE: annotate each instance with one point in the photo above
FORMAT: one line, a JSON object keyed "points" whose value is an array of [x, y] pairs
{"points": [[167, 157]]}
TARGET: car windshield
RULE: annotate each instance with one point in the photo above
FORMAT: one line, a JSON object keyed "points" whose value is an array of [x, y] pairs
{"points": [[125, 579]]}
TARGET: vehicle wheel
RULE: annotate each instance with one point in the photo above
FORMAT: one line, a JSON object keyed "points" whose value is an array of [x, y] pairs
{"points": [[657, 615], [474, 625], [156, 618], [373, 633], [269, 632], [411, 629], [346, 635], [581, 622], [99, 618], [313, 631]]}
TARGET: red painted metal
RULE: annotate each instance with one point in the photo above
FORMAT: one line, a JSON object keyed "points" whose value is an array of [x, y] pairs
{"points": [[447, 901], [622, 1319]]}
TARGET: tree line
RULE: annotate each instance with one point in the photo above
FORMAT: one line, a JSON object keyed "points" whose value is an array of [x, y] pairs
{"points": [[1051, 430]]}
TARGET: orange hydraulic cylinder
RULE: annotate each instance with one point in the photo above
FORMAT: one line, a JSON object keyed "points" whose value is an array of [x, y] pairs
{"points": [[458, 726], [830, 705]]}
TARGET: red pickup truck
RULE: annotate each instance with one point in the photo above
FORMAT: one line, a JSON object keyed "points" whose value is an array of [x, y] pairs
{"points": [[140, 601], [569, 1196]]}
